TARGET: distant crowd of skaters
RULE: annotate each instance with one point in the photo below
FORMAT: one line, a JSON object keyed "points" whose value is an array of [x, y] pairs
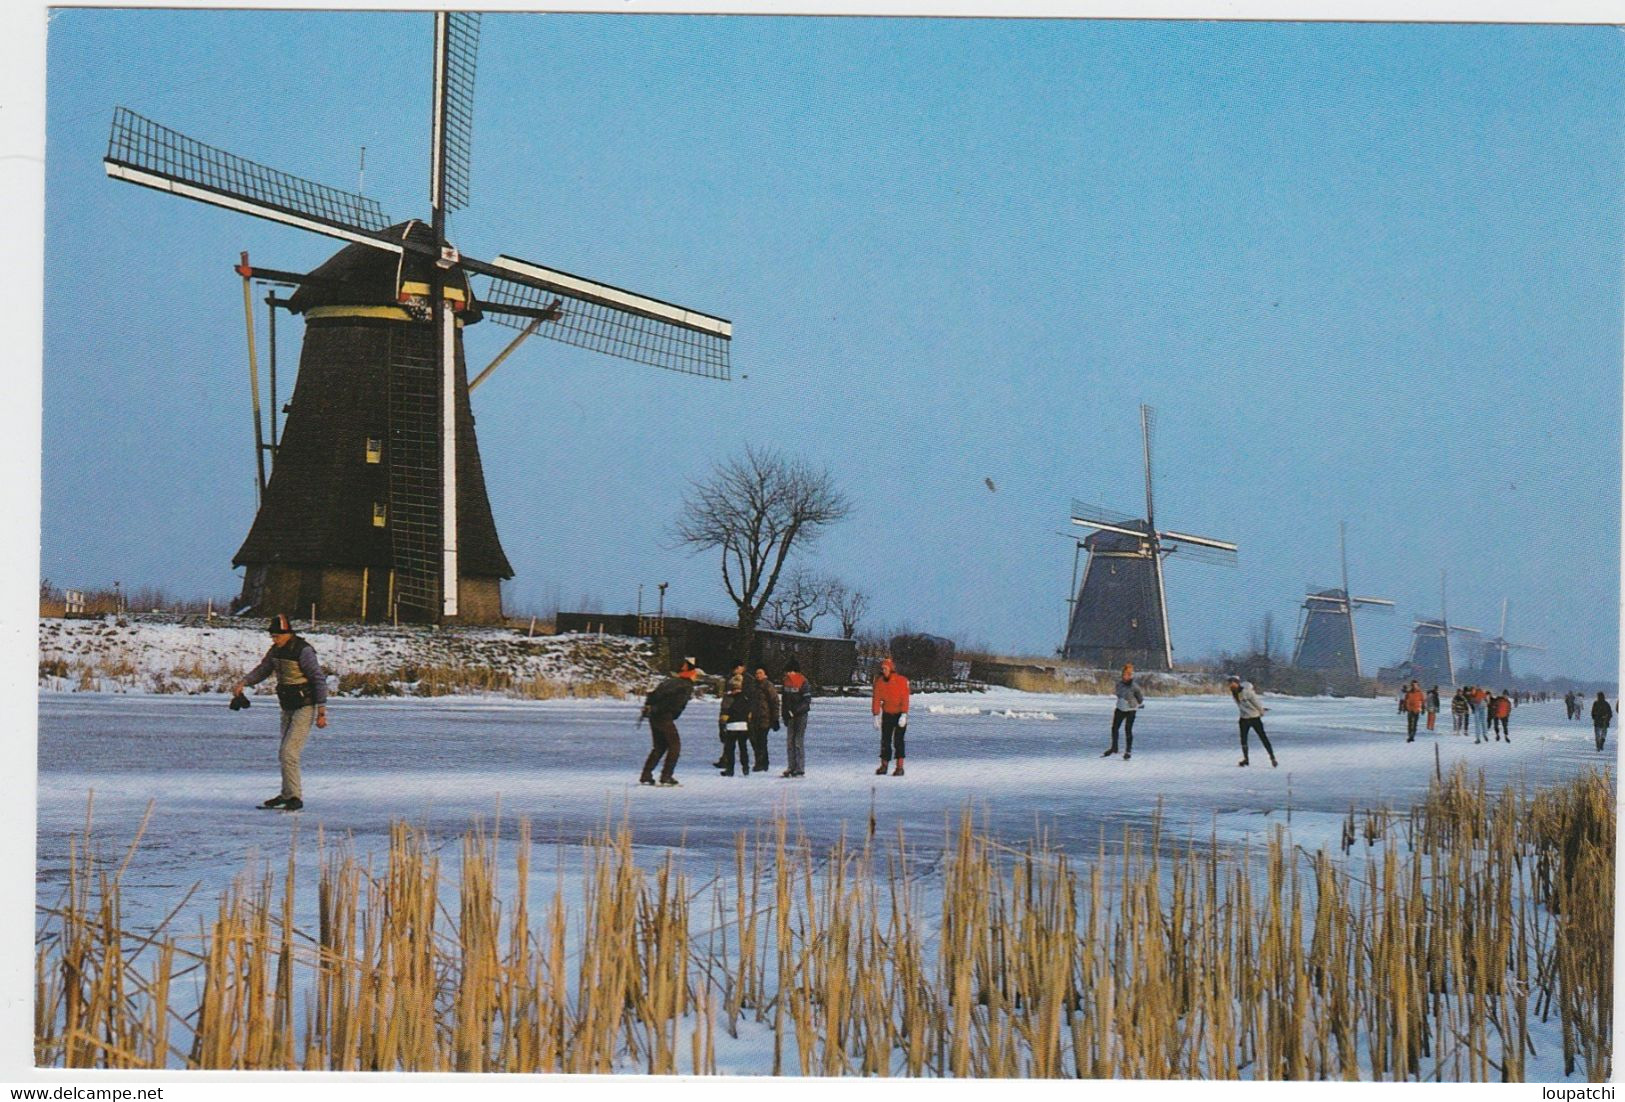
{"points": [[1487, 712]]}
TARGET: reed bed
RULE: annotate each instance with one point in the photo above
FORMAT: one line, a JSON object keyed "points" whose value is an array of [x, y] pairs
{"points": [[1465, 939]]}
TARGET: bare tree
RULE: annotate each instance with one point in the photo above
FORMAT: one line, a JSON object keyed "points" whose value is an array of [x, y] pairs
{"points": [[849, 603], [798, 602], [755, 509], [1265, 639]]}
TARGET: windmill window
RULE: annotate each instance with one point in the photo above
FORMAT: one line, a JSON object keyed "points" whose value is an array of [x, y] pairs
{"points": [[380, 514], [375, 450]]}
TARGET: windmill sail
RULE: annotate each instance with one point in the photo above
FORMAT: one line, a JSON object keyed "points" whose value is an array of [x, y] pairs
{"points": [[144, 152], [602, 318]]}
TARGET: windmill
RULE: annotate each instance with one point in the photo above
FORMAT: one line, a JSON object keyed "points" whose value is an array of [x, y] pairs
{"points": [[376, 505], [1431, 661], [1494, 668], [1121, 612], [1326, 639]]}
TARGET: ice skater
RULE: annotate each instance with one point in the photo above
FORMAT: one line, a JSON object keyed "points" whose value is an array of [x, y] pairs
{"points": [[890, 707], [1500, 712], [1411, 704], [795, 700], [1601, 716], [301, 690], [1252, 717], [1458, 712], [1433, 707], [733, 724], [661, 708], [764, 715], [1478, 703], [1129, 702]]}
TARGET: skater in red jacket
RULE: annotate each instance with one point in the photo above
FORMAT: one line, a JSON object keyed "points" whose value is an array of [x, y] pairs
{"points": [[890, 708]]}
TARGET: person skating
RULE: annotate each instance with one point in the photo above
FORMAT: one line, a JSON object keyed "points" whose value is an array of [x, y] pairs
{"points": [[1129, 702], [764, 715], [733, 720], [795, 700], [1412, 703], [1568, 704], [1500, 712], [1458, 711], [1601, 716], [301, 690], [1433, 706], [661, 708], [1477, 703], [1252, 717], [738, 674], [890, 707]]}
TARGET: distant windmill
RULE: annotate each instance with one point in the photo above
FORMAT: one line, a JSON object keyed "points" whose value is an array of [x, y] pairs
{"points": [[377, 504], [1431, 661], [1121, 611], [1493, 665], [1326, 640]]}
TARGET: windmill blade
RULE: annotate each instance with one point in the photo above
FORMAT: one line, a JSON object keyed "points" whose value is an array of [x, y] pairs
{"points": [[1465, 631], [1100, 512], [606, 319], [1380, 602], [141, 151], [1084, 522], [1199, 541], [1523, 646], [1203, 552], [457, 50]]}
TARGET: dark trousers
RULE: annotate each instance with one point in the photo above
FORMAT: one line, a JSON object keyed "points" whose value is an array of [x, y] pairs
{"points": [[732, 740], [667, 744], [1124, 720], [1499, 723], [891, 736], [1601, 731], [758, 743], [1410, 725], [1254, 723]]}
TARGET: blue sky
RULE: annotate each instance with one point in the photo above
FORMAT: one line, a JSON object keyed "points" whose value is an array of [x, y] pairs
{"points": [[1364, 272]]}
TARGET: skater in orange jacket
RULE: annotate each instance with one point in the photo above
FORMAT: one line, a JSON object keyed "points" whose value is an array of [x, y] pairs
{"points": [[890, 708]]}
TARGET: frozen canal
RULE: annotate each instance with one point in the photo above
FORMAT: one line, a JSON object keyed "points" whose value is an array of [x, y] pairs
{"points": [[571, 766]]}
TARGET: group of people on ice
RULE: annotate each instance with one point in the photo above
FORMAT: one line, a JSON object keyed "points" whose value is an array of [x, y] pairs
{"points": [[753, 706], [1130, 700], [1487, 712]]}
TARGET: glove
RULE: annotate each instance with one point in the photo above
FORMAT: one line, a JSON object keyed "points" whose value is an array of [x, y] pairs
{"points": [[902, 721], [877, 721], [238, 703]]}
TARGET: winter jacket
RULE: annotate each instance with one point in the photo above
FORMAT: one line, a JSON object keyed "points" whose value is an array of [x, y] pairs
{"points": [[1500, 707], [796, 696], [1413, 701], [1476, 698], [669, 698], [1458, 704], [1433, 700], [1601, 713], [891, 695], [299, 678], [1129, 696], [1247, 700], [764, 704]]}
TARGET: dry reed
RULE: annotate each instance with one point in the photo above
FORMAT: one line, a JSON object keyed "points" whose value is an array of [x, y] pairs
{"points": [[1436, 953]]}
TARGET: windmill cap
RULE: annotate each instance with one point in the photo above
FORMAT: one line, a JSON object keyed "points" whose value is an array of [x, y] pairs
{"points": [[280, 625]]}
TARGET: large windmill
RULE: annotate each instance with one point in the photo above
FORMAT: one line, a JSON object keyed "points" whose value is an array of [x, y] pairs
{"points": [[1494, 667], [1121, 610], [377, 506], [1431, 661], [1326, 639]]}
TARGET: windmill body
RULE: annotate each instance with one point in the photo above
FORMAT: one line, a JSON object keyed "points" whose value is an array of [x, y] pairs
{"points": [[1120, 613], [1326, 637], [377, 507], [349, 519]]}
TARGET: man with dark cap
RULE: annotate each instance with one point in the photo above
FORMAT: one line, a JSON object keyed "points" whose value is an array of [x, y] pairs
{"points": [[661, 708], [301, 690]]}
